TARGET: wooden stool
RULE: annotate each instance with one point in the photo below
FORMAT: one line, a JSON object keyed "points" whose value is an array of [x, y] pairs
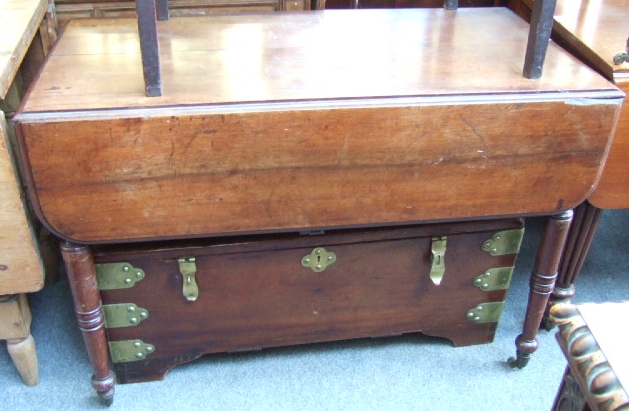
{"points": [[594, 343]]}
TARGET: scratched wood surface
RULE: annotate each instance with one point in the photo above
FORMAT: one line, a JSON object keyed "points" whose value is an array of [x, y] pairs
{"points": [[19, 21], [301, 56], [20, 267], [596, 31], [277, 122]]}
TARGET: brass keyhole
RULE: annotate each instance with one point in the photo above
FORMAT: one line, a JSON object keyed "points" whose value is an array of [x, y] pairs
{"points": [[318, 259]]}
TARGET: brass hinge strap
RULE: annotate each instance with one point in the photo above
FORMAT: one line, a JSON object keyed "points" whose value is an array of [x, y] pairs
{"points": [[504, 242], [116, 276], [498, 278], [130, 350], [123, 315], [486, 312]]}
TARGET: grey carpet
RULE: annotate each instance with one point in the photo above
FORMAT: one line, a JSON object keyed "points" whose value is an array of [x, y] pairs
{"points": [[400, 373]]}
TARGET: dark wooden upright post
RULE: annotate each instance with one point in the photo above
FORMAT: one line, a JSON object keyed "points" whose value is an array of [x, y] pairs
{"points": [[162, 9], [542, 284], [450, 4], [539, 36], [88, 309], [580, 238], [149, 45]]}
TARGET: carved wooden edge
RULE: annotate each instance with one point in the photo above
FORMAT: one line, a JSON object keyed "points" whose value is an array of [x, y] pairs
{"points": [[81, 272], [598, 382], [150, 370], [570, 397], [542, 284]]}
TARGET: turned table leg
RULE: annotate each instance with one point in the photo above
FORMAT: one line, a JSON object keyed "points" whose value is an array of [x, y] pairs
{"points": [[580, 237], [542, 283], [89, 314], [15, 327]]}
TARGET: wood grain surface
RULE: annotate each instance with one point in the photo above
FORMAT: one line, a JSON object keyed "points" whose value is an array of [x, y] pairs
{"points": [[19, 21], [276, 122], [301, 56], [596, 31], [255, 293], [20, 267]]}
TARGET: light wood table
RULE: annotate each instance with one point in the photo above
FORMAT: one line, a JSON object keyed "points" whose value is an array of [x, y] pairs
{"points": [[594, 342], [21, 269]]}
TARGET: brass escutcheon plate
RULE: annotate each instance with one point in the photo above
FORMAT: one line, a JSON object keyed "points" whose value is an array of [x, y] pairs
{"points": [[318, 260]]}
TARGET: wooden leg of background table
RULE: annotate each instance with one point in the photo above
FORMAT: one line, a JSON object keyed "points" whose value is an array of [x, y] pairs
{"points": [[542, 283], [89, 314], [24, 357], [15, 327], [161, 7], [580, 237]]}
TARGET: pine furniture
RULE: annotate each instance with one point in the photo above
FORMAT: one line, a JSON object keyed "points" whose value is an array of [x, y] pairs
{"points": [[21, 267]]}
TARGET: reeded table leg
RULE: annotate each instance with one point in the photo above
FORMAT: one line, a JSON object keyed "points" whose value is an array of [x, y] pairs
{"points": [[586, 221], [89, 314], [542, 283]]}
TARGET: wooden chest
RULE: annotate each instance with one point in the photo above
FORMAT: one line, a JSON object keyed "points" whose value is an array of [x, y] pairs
{"points": [[280, 123], [169, 303]]}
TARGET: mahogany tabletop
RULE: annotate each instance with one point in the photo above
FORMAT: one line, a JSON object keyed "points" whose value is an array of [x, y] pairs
{"points": [[598, 28], [302, 56], [285, 121], [596, 31]]}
